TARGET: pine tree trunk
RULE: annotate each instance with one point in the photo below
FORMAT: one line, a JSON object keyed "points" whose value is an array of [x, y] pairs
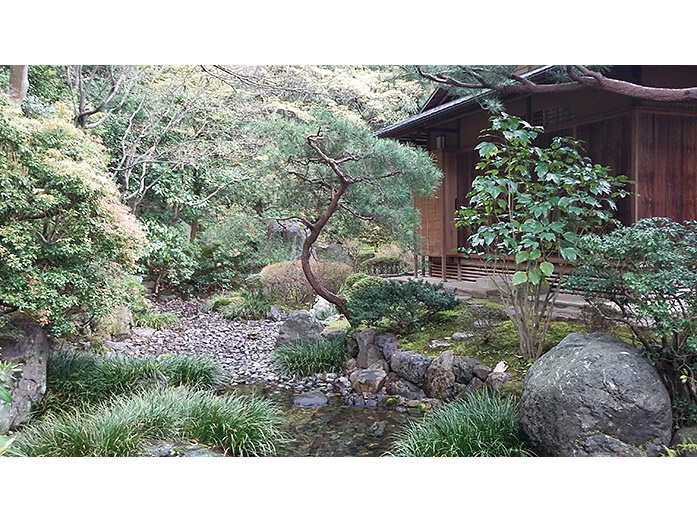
{"points": [[19, 83]]}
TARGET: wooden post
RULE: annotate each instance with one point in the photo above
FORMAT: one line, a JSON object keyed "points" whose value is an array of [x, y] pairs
{"points": [[459, 268]]}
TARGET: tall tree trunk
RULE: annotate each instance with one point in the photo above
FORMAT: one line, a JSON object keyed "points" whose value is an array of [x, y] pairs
{"points": [[194, 230], [19, 83]]}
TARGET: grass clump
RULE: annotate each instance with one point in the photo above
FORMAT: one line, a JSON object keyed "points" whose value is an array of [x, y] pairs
{"points": [[75, 379], [248, 306], [154, 320], [309, 357], [218, 301], [479, 424], [241, 426]]}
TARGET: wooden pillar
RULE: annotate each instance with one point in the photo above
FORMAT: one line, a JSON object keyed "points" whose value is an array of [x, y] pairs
{"points": [[458, 260]]}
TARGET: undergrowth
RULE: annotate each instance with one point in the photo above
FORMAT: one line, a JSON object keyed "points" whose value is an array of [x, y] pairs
{"points": [[304, 358], [478, 424], [75, 379], [241, 426], [154, 320]]}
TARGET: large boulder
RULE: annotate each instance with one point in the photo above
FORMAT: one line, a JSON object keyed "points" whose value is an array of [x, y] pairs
{"points": [[411, 366], [299, 326], [27, 346], [368, 351], [439, 380], [367, 380], [594, 395]]}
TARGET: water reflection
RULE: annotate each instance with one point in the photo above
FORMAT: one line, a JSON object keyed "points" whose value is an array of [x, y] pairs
{"points": [[335, 429]]}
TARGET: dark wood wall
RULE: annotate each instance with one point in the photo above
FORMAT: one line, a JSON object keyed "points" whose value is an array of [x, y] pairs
{"points": [[654, 145], [666, 166]]}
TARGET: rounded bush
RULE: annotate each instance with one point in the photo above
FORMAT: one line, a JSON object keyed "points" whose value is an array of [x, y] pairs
{"points": [[286, 283]]}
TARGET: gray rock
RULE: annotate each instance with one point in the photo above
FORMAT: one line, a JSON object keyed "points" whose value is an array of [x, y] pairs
{"points": [[349, 365], [310, 399], [380, 364], [383, 339], [368, 355], [388, 349], [406, 389], [411, 366], [594, 395], [276, 314], [333, 333], [377, 429], [462, 336], [496, 380], [440, 376], [364, 338], [438, 344], [157, 449], [352, 347], [481, 371], [343, 382], [322, 308], [463, 370], [367, 380], [299, 326], [29, 349], [197, 451], [474, 385], [118, 346], [144, 332]]}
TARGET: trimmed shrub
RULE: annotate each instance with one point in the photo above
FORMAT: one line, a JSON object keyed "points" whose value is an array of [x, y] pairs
{"points": [[404, 305], [479, 424], [359, 280], [241, 426], [310, 357], [384, 265], [286, 283]]}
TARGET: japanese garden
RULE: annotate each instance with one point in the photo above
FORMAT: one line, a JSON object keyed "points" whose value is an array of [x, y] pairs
{"points": [[375, 261]]}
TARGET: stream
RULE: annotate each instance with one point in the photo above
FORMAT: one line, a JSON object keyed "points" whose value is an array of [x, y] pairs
{"points": [[334, 429]]}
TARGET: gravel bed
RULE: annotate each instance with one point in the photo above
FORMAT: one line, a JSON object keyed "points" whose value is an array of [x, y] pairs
{"points": [[242, 348]]}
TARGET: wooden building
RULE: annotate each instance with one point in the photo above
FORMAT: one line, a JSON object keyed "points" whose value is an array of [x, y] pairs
{"points": [[654, 144]]}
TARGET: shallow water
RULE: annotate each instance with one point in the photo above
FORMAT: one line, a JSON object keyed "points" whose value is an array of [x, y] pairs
{"points": [[335, 429]]}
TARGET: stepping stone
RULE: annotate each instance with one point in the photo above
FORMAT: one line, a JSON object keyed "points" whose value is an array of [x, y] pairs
{"points": [[310, 399]]}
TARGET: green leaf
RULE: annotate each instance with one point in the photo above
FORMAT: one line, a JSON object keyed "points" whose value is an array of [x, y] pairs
{"points": [[5, 442], [487, 149], [521, 257], [5, 395], [535, 275], [535, 254], [547, 268], [520, 277]]}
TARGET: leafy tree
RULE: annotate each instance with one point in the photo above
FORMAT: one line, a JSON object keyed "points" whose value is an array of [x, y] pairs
{"points": [[649, 273], [66, 241], [529, 207], [325, 166]]}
